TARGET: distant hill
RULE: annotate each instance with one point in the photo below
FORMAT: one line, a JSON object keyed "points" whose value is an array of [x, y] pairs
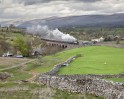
{"points": [[115, 20]]}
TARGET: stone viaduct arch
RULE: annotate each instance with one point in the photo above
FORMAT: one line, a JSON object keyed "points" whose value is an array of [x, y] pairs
{"points": [[60, 44], [57, 44]]}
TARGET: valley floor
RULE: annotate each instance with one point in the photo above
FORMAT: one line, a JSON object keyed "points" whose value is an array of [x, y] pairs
{"points": [[93, 60]]}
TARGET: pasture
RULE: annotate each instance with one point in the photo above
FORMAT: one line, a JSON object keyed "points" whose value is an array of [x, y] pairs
{"points": [[95, 60]]}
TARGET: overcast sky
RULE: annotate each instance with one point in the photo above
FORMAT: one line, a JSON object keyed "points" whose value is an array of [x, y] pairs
{"points": [[28, 9]]}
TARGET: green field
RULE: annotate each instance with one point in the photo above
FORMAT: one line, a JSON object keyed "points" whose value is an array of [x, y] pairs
{"points": [[95, 60]]}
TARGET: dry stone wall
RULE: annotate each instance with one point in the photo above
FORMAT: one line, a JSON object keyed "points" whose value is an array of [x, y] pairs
{"points": [[85, 84], [58, 66]]}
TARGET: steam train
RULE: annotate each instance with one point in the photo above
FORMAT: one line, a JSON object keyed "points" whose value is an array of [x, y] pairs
{"points": [[76, 42]]}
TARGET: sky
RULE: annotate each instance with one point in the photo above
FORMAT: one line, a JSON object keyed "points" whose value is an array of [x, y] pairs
{"points": [[33, 9]]}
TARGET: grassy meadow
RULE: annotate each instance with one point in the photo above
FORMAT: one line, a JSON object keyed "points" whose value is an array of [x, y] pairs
{"points": [[95, 60]]}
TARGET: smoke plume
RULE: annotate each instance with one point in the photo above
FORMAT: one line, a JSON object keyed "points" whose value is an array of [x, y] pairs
{"points": [[47, 33]]}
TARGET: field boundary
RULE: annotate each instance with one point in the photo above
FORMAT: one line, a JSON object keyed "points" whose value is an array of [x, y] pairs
{"points": [[57, 67]]}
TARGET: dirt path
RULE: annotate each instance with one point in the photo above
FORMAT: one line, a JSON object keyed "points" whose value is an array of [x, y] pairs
{"points": [[22, 65], [34, 74]]}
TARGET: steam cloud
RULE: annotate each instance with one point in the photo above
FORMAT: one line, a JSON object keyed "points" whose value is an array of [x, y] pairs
{"points": [[47, 33]]}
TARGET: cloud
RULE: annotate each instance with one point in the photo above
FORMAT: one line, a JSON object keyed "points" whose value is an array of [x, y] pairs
{"points": [[32, 2], [14, 9]]}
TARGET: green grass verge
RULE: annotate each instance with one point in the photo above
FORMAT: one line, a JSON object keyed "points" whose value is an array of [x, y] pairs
{"points": [[116, 79]]}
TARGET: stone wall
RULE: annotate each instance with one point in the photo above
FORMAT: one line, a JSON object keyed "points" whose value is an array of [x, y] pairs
{"points": [[100, 76], [85, 84], [58, 66], [91, 84]]}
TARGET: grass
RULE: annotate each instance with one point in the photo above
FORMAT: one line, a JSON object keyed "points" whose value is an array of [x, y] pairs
{"points": [[45, 64], [66, 95], [122, 42], [41, 65], [17, 74], [8, 62], [37, 91], [95, 60], [13, 84], [92, 62], [116, 79]]}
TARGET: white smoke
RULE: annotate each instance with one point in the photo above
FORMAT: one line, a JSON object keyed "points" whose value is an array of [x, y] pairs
{"points": [[47, 33]]}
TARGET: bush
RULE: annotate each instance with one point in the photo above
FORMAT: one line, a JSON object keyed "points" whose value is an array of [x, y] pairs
{"points": [[79, 55]]}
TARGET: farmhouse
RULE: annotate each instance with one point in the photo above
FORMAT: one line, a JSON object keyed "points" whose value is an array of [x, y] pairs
{"points": [[98, 40], [8, 54]]}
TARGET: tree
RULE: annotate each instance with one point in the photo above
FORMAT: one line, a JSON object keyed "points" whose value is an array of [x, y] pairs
{"points": [[4, 46], [23, 45], [11, 26]]}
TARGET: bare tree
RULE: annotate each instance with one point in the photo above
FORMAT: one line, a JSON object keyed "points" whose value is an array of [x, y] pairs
{"points": [[118, 40]]}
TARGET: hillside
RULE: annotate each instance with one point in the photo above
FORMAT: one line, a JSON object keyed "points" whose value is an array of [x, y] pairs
{"points": [[9, 35], [115, 20]]}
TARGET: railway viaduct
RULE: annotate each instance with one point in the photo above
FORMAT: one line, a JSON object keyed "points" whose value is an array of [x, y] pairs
{"points": [[61, 44]]}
